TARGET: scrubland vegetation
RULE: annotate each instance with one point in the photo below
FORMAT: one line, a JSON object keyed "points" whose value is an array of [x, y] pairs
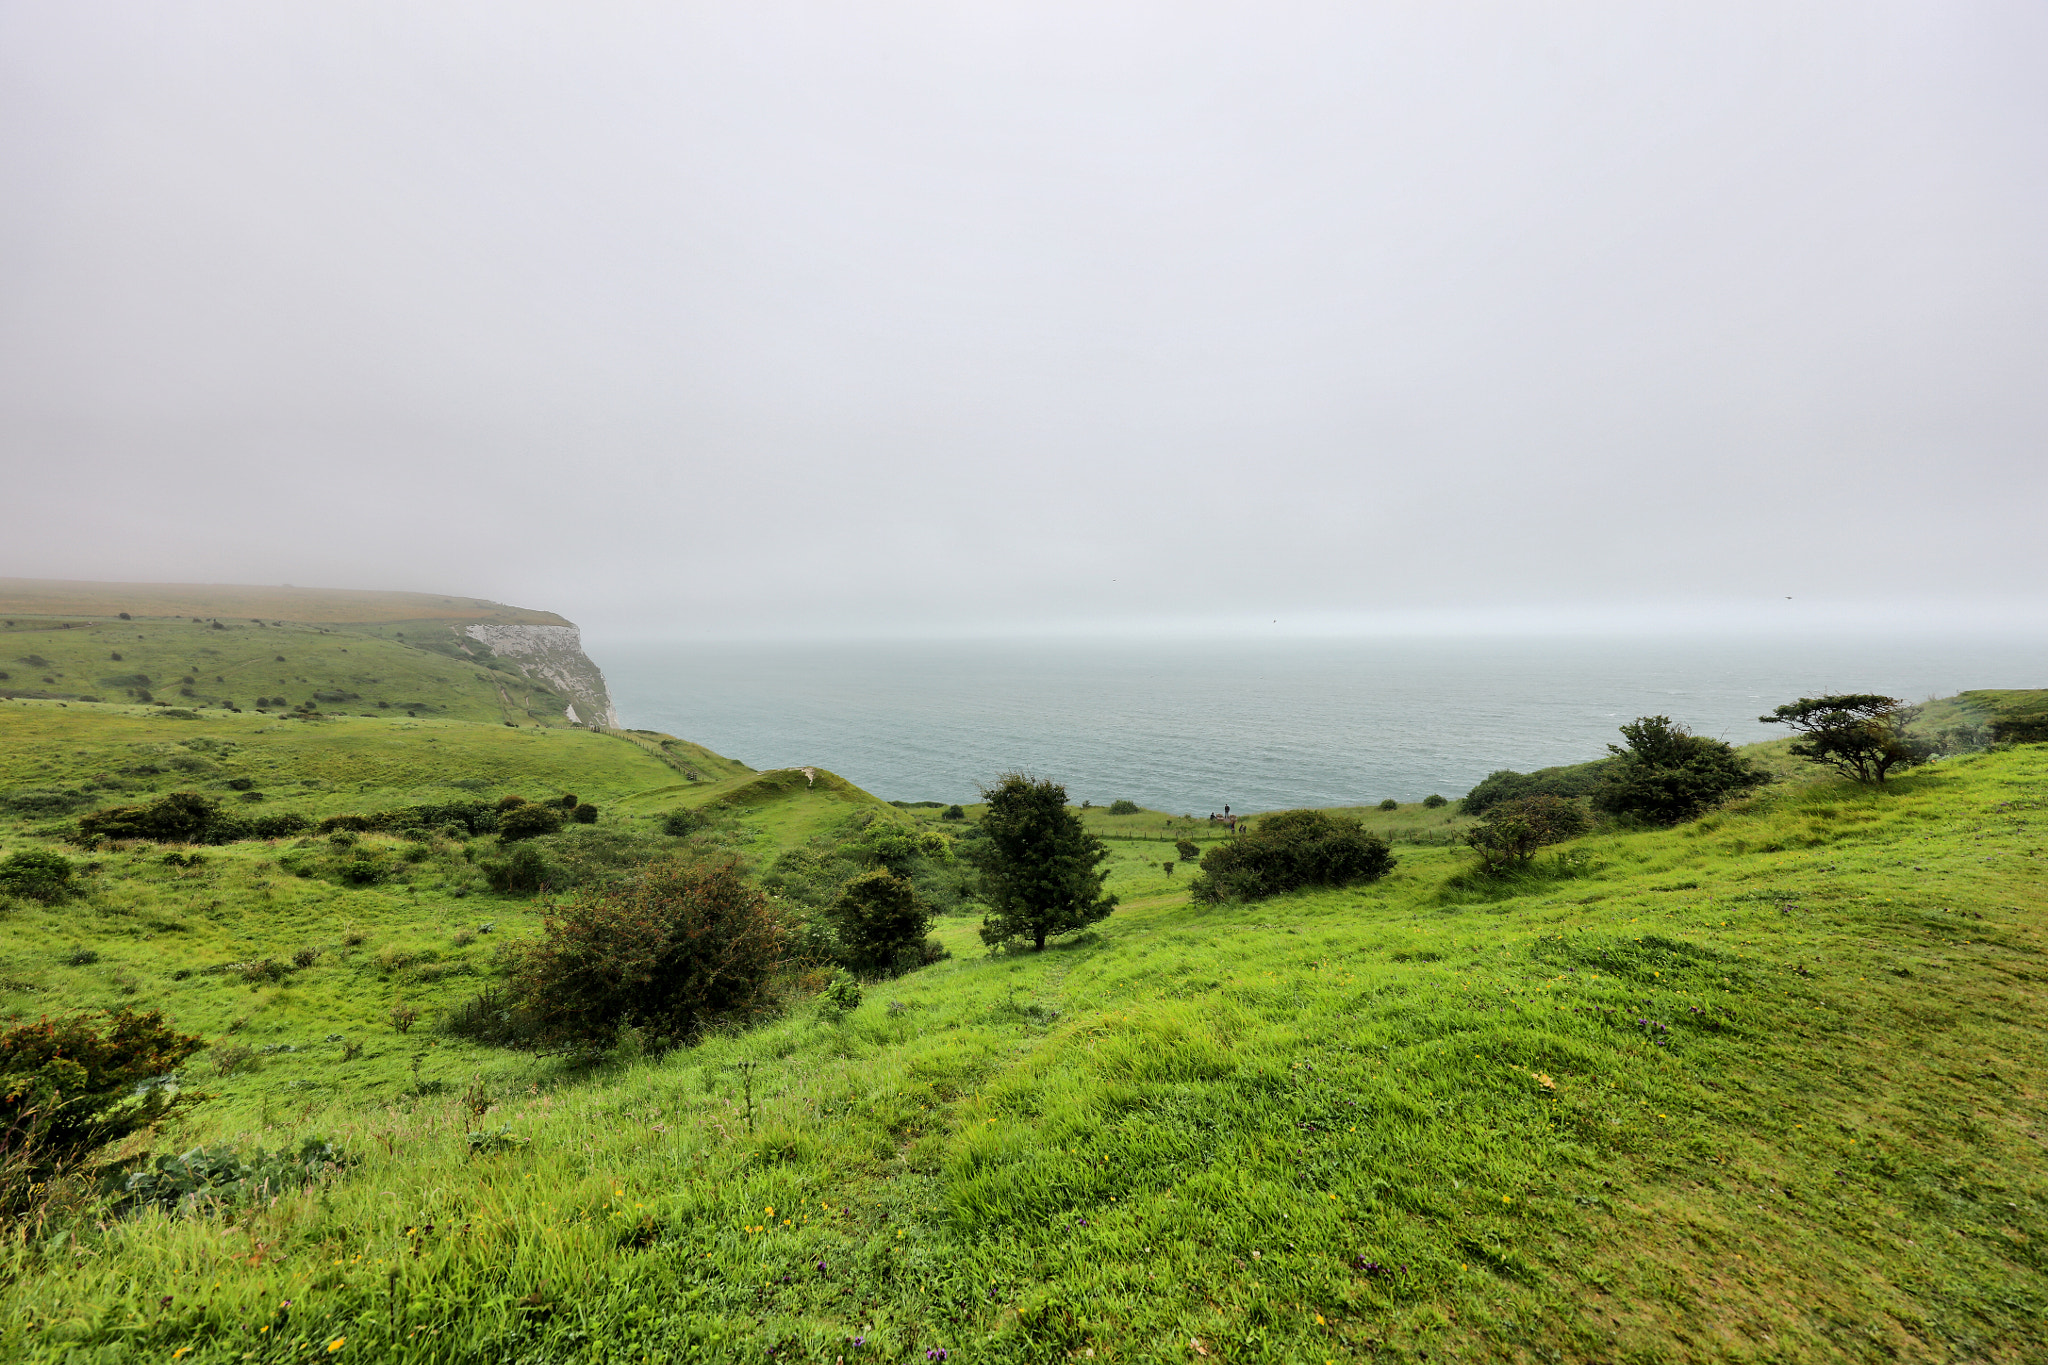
{"points": [[1759, 1085]]}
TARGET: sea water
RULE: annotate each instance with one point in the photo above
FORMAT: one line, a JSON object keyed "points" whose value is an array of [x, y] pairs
{"points": [[1191, 726]]}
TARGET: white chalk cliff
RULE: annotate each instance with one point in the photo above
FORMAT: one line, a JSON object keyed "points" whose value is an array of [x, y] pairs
{"points": [[552, 655]]}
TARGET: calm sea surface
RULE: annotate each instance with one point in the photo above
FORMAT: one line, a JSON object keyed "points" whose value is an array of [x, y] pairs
{"points": [[1190, 726]]}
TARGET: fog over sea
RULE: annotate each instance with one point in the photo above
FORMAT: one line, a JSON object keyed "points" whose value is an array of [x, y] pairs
{"points": [[1191, 725]]}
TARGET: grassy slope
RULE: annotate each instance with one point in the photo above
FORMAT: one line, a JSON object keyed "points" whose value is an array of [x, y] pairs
{"points": [[1794, 1108], [51, 597]]}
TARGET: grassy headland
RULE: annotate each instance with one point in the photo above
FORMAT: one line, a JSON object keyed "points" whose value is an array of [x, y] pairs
{"points": [[1767, 1086]]}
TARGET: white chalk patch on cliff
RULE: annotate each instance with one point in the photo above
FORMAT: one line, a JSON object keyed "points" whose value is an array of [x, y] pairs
{"points": [[553, 654]]}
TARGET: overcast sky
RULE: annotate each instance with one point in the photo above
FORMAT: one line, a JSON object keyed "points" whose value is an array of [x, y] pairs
{"points": [[757, 317]]}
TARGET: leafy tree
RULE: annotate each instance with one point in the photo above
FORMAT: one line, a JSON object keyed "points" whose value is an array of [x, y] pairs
{"points": [[679, 949], [953, 813], [1509, 834], [1667, 774], [1289, 850], [880, 920], [1040, 868], [1188, 849], [1860, 735]]}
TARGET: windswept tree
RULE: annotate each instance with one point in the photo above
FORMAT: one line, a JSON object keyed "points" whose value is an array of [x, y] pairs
{"points": [[1509, 834], [1860, 735], [1667, 774], [1040, 869]]}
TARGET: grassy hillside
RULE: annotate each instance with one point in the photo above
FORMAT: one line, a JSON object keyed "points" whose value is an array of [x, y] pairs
{"points": [[1764, 1087], [50, 597]]}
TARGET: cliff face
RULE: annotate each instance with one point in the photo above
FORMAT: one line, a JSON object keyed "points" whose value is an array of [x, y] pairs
{"points": [[553, 655]]}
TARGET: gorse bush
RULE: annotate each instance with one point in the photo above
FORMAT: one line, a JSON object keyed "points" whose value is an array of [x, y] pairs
{"points": [[682, 948], [1290, 850]]}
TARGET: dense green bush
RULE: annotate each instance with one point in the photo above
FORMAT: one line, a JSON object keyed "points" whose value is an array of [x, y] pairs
{"points": [[682, 823], [37, 874], [952, 813], [1188, 849], [1509, 834], [880, 921], [1668, 774], [1390, 804], [524, 871], [1289, 850], [584, 814], [176, 818], [1434, 802], [1124, 808], [681, 949], [527, 821], [70, 1086], [1577, 779]]}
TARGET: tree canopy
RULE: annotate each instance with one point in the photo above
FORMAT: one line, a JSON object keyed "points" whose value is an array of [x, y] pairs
{"points": [[1860, 735], [1667, 774], [1040, 869]]}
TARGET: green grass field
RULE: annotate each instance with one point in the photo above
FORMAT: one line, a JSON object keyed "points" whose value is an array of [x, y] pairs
{"points": [[1765, 1087]]}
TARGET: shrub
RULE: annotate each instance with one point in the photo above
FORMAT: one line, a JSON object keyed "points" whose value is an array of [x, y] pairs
{"points": [[1509, 834], [682, 823], [37, 874], [1578, 779], [1290, 850], [841, 998], [1124, 808], [1188, 849], [680, 949], [176, 818], [74, 1084], [584, 814], [1668, 774], [1390, 804], [952, 813], [526, 821], [1434, 802], [526, 871], [881, 922]]}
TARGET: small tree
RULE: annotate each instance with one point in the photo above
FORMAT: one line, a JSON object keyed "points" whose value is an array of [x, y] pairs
{"points": [[1668, 774], [953, 813], [678, 949], [880, 920], [1434, 802], [1290, 850], [1187, 848], [1509, 834], [1860, 735], [1040, 867], [1390, 804]]}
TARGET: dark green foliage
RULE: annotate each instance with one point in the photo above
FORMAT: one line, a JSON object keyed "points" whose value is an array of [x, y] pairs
{"points": [[177, 818], [2020, 730], [584, 814], [1509, 834], [1040, 869], [37, 874], [1290, 850], [523, 872], [491, 1016], [953, 813], [69, 1086], [842, 997], [282, 826], [1860, 735], [526, 821], [682, 823], [1188, 849], [1667, 774], [1434, 802], [1577, 779], [680, 949], [1124, 808], [880, 921], [42, 801], [1390, 804], [225, 1176]]}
